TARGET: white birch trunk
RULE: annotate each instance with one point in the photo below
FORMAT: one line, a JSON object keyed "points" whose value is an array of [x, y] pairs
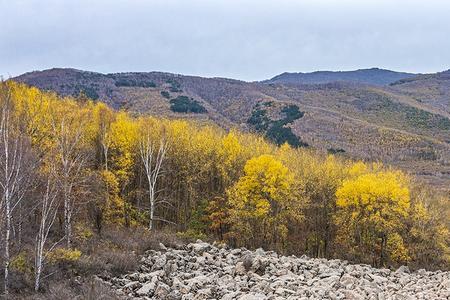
{"points": [[69, 139], [49, 209], [13, 177], [152, 166], [7, 240]]}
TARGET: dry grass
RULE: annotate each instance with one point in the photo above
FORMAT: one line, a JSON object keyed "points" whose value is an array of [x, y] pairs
{"points": [[117, 251], [91, 289]]}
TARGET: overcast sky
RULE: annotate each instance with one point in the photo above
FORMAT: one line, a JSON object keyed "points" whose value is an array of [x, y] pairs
{"points": [[249, 40]]}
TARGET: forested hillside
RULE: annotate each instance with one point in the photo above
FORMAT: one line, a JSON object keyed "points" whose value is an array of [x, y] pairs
{"points": [[405, 124], [86, 188], [431, 89]]}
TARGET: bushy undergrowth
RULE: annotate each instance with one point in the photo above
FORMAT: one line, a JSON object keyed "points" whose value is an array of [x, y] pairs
{"points": [[72, 273]]}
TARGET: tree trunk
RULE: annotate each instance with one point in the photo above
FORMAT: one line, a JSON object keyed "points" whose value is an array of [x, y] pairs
{"points": [[67, 209], [67, 221], [38, 269], [7, 239], [152, 203]]}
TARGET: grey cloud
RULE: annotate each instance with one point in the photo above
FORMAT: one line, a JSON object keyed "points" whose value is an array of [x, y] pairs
{"points": [[248, 40]]}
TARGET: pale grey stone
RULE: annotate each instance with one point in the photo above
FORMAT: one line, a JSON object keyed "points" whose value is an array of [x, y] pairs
{"points": [[203, 271], [147, 288]]}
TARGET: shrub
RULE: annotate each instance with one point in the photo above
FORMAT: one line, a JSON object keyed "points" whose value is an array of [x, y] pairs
{"points": [[335, 150], [20, 264], [165, 94], [83, 232], [63, 255], [134, 83], [184, 104], [191, 235], [108, 259], [139, 239]]}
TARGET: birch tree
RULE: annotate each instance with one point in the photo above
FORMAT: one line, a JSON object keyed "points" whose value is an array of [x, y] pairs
{"points": [[152, 157], [68, 129], [104, 118], [48, 211], [15, 169]]}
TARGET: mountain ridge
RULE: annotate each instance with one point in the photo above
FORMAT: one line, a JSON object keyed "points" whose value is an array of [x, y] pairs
{"points": [[374, 76]]}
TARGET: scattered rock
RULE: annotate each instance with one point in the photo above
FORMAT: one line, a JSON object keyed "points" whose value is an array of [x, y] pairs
{"points": [[162, 291], [162, 247], [200, 247], [402, 269], [247, 261], [352, 295], [148, 288], [240, 268], [202, 271]]}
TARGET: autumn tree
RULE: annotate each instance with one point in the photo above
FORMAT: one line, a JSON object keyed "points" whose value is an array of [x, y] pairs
{"points": [[103, 117], [16, 168], [123, 156], [47, 209], [152, 150], [372, 207], [110, 204], [69, 149], [218, 215], [263, 202], [427, 235], [319, 178], [191, 162], [232, 158]]}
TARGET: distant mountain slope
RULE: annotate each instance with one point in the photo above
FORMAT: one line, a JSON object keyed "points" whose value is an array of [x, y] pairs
{"points": [[372, 76], [430, 89], [390, 123]]}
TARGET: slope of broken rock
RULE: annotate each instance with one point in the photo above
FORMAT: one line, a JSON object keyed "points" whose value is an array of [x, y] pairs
{"points": [[204, 271]]}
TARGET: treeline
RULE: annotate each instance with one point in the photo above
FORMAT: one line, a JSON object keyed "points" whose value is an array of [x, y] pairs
{"points": [[67, 163]]}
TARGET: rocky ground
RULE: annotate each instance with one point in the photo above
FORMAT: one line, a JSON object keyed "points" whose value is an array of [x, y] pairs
{"points": [[204, 271]]}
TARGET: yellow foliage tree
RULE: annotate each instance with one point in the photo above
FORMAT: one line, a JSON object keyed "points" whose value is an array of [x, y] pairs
{"points": [[122, 142], [124, 133], [317, 177], [428, 235], [113, 207], [372, 209], [69, 151], [263, 202], [103, 117]]}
